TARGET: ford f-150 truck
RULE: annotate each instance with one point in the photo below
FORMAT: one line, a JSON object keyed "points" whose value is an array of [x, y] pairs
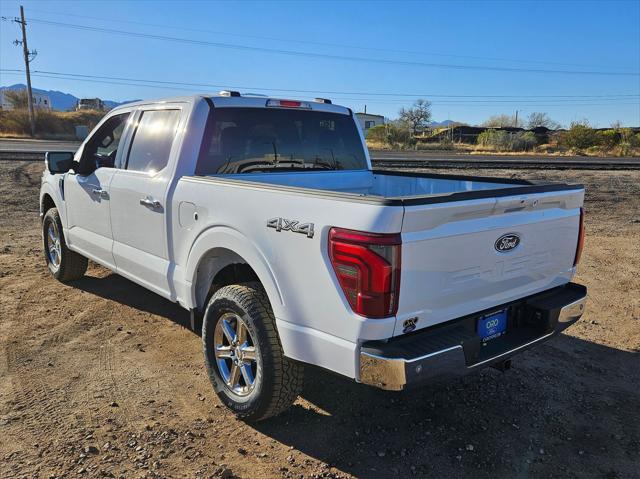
{"points": [[265, 219]]}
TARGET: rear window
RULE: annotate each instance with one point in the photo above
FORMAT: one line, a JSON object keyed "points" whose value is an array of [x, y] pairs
{"points": [[246, 140]]}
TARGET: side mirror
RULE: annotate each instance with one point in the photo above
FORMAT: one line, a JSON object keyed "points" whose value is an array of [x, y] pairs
{"points": [[58, 161]]}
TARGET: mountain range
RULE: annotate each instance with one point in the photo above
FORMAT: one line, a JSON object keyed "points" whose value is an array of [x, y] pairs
{"points": [[60, 100]]}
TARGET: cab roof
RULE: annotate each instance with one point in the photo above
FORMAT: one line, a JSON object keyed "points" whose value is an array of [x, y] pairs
{"points": [[248, 101]]}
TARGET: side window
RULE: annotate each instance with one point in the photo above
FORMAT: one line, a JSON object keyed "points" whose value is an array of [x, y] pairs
{"points": [[100, 151], [152, 140], [109, 144]]}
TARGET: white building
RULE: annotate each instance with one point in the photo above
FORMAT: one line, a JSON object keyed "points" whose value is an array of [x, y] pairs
{"points": [[40, 100], [367, 120]]}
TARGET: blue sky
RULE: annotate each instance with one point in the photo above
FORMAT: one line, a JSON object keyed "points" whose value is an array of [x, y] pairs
{"points": [[379, 54]]}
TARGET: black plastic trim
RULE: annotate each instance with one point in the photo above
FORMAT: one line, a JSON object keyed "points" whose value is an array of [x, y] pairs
{"points": [[530, 318]]}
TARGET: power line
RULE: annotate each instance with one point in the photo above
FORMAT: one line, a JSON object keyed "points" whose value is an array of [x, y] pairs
{"points": [[367, 100], [176, 84], [315, 43], [191, 41]]}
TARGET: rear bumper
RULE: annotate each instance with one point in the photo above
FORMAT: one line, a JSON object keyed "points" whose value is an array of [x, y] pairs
{"points": [[454, 348]]}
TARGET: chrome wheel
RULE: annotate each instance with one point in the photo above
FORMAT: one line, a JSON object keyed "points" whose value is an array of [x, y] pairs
{"points": [[235, 353], [54, 249]]}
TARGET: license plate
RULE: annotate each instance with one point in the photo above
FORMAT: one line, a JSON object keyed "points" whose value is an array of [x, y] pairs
{"points": [[492, 325]]}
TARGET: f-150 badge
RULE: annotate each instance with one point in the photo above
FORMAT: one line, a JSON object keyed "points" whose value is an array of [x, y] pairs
{"points": [[283, 224]]}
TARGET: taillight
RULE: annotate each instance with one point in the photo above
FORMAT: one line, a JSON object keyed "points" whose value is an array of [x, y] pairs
{"points": [[576, 260], [367, 266]]}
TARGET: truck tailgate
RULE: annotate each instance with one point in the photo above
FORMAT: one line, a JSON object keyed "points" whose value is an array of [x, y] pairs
{"points": [[451, 265]]}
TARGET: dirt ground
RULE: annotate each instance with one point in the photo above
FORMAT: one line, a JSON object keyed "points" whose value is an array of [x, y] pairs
{"points": [[101, 379]]}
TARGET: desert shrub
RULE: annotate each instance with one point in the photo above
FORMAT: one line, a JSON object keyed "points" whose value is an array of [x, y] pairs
{"points": [[377, 133], [14, 122], [496, 139], [628, 144], [627, 135], [608, 139], [523, 141], [579, 136], [391, 135], [504, 141]]}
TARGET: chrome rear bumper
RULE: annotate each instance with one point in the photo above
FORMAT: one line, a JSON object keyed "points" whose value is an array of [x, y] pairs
{"points": [[424, 355]]}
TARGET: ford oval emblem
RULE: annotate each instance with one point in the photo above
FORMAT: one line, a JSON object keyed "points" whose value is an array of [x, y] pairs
{"points": [[507, 242]]}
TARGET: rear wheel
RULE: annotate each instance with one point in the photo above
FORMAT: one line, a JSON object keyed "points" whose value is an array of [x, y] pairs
{"points": [[64, 264], [243, 355]]}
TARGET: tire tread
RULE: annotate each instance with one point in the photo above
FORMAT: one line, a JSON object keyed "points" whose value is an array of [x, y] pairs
{"points": [[72, 265], [288, 375]]}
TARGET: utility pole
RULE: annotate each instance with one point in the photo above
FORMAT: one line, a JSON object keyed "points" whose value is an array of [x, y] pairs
{"points": [[516, 118], [26, 54]]}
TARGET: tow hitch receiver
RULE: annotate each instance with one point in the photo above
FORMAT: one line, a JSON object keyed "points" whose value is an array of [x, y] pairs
{"points": [[502, 365]]}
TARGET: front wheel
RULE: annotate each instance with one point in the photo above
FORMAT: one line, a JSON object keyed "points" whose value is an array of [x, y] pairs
{"points": [[64, 264], [243, 354]]}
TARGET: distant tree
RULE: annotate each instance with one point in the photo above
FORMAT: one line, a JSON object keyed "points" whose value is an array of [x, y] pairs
{"points": [[499, 121], [539, 119], [417, 117], [17, 98]]}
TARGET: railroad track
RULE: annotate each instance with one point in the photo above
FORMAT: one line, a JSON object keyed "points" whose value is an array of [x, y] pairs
{"points": [[550, 164], [511, 163]]}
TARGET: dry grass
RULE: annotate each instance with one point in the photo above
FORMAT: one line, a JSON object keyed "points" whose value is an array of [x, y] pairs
{"points": [[49, 124], [541, 150]]}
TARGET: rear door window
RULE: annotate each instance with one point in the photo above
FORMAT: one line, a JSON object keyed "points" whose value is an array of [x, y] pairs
{"points": [[246, 140], [152, 141]]}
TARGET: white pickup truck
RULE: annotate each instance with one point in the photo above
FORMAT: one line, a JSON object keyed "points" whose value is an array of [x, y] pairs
{"points": [[264, 218]]}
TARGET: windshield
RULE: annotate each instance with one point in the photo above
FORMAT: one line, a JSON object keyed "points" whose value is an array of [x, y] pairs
{"points": [[246, 140]]}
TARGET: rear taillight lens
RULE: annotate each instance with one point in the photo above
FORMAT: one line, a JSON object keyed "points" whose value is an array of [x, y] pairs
{"points": [[367, 266], [576, 260]]}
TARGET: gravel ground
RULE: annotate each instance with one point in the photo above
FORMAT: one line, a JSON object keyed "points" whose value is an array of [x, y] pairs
{"points": [[102, 379]]}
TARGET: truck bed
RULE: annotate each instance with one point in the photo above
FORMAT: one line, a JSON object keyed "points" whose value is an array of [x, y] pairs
{"points": [[397, 188]]}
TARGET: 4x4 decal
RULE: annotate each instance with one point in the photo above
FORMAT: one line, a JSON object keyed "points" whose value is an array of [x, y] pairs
{"points": [[283, 224]]}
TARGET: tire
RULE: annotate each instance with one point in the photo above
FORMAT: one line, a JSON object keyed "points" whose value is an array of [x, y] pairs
{"points": [[277, 380], [65, 265]]}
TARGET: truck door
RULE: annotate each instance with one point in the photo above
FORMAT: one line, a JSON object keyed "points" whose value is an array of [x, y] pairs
{"points": [[87, 195], [138, 199]]}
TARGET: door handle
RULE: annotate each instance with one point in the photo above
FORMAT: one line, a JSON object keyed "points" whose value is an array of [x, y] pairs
{"points": [[101, 193], [150, 203]]}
